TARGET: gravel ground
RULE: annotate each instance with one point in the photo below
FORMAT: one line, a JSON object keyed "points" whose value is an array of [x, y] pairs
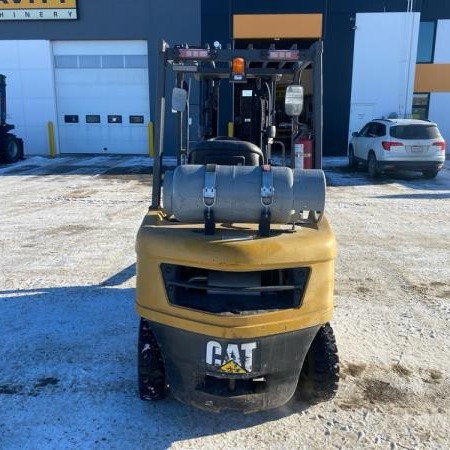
{"points": [[68, 326]]}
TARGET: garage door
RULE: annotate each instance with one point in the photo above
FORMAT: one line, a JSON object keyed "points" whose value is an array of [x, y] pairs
{"points": [[102, 96]]}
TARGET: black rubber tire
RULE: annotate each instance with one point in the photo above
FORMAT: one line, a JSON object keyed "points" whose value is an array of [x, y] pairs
{"points": [[319, 377], [352, 163], [430, 174], [151, 372], [372, 165], [10, 149]]}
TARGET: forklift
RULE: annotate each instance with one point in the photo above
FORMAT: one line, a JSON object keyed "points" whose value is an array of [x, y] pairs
{"points": [[11, 147], [235, 256]]}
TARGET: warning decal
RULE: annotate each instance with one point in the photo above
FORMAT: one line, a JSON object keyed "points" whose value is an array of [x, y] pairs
{"points": [[232, 367], [236, 358]]}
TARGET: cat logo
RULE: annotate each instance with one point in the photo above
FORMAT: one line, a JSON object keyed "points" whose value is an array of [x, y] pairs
{"points": [[231, 358]]}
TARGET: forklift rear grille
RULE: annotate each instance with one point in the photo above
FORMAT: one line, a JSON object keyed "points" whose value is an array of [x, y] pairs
{"points": [[221, 292]]}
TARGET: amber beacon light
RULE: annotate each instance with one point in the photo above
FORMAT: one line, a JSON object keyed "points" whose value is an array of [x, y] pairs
{"points": [[238, 70]]}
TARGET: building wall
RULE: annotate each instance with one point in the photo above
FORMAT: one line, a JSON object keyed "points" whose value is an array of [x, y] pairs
{"points": [[28, 66], [439, 108], [338, 36], [204, 21], [151, 21], [383, 66]]}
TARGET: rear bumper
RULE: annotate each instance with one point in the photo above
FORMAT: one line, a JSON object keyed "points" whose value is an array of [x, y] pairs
{"points": [[246, 375], [411, 165]]}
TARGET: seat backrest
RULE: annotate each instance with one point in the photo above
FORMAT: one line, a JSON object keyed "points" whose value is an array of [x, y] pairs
{"points": [[226, 152]]}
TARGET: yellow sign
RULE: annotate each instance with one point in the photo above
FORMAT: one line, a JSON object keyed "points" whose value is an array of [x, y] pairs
{"points": [[38, 9], [232, 367]]}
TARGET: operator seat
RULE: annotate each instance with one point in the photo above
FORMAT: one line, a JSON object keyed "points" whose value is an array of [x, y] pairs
{"points": [[227, 152]]}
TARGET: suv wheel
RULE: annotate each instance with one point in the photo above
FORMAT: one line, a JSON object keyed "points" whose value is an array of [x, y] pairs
{"points": [[372, 165], [352, 163], [429, 174]]}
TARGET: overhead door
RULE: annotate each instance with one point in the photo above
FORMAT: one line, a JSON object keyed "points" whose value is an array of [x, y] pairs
{"points": [[102, 96]]}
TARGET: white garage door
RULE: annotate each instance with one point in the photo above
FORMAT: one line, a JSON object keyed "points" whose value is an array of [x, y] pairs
{"points": [[102, 96]]}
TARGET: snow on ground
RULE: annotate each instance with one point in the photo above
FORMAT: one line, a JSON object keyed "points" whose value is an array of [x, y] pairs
{"points": [[68, 326]]}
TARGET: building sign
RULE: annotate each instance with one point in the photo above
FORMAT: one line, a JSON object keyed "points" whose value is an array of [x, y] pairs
{"points": [[38, 9]]}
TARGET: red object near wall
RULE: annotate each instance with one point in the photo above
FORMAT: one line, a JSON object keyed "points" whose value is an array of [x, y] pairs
{"points": [[308, 151]]}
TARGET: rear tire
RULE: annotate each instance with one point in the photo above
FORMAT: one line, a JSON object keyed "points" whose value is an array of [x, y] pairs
{"points": [[320, 372], [430, 174], [10, 149], [372, 165], [151, 372]]}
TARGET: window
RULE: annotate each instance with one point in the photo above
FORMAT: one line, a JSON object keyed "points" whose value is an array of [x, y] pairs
{"points": [[93, 118], [89, 62], [71, 118], [415, 132], [101, 61], [425, 46], [380, 129], [112, 61], [66, 61], [364, 130], [114, 119], [421, 104], [136, 119], [136, 61]]}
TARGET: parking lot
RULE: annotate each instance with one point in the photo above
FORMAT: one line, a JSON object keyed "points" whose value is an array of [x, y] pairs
{"points": [[69, 329]]}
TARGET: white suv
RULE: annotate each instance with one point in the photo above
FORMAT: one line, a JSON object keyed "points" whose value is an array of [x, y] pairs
{"points": [[390, 144]]}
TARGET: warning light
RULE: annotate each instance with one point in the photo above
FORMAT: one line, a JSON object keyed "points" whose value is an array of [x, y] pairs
{"points": [[238, 70], [194, 53], [283, 55]]}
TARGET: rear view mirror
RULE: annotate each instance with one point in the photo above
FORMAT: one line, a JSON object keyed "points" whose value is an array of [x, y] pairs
{"points": [[179, 99], [355, 134], [293, 101]]}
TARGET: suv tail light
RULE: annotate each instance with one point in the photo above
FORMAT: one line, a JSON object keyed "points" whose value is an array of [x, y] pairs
{"points": [[440, 144], [388, 144]]}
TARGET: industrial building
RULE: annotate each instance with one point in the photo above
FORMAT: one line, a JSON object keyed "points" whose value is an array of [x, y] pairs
{"points": [[86, 71]]}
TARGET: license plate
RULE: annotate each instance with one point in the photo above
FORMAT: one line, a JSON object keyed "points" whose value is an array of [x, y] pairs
{"points": [[416, 149]]}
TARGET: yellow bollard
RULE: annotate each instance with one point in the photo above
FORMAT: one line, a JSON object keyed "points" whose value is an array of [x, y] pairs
{"points": [[51, 140], [230, 129], [151, 141]]}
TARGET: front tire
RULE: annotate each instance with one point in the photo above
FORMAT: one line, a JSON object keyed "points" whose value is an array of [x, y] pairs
{"points": [[10, 149], [151, 372], [372, 165], [352, 163], [320, 372]]}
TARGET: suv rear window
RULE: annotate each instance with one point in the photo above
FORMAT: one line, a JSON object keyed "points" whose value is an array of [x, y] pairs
{"points": [[415, 132]]}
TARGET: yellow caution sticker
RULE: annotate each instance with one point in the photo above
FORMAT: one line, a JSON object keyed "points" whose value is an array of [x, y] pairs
{"points": [[232, 367]]}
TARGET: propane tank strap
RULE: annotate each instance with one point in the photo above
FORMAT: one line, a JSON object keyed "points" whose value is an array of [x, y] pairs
{"points": [[267, 186], [267, 191], [209, 189], [209, 198]]}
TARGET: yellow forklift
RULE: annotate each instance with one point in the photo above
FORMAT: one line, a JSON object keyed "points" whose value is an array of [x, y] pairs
{"points": [[235, 257]]}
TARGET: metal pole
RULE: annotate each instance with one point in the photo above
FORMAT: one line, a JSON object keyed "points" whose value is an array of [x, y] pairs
{"points": [[179, 136], [318, 104], [159, 134]]}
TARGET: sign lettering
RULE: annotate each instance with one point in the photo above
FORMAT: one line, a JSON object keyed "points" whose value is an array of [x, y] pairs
{"points": [[231, 358], [38, 9]]}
